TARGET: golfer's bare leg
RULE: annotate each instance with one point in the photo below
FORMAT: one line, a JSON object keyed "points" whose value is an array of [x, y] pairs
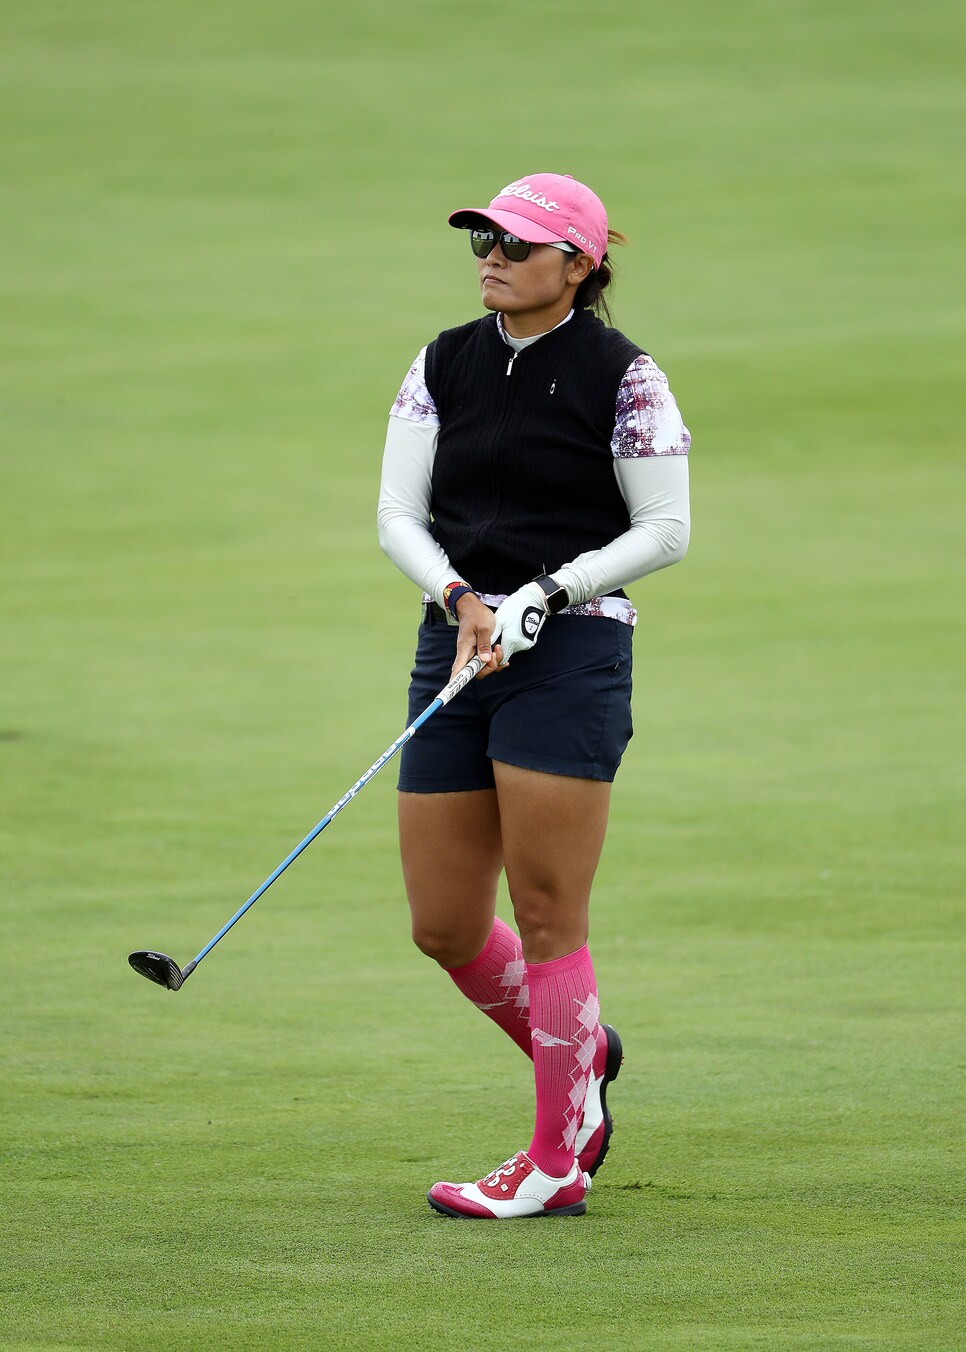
{"points": [[553, 830], [452, 859]]}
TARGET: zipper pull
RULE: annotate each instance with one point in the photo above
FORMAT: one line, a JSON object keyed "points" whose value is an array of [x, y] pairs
{"points": [[509, 366]]}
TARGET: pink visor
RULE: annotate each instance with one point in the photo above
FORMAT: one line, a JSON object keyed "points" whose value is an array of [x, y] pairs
{"points": [[545, 209]]}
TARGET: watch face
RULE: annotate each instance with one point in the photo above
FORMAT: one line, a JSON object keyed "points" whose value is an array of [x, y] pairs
{"points": [[556, 596]]}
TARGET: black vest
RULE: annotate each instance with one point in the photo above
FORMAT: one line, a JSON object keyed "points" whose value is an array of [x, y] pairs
{"points": [[523, 479]]}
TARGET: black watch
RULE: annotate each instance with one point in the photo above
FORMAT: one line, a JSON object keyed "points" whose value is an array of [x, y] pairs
{"points": [[556, 595]]}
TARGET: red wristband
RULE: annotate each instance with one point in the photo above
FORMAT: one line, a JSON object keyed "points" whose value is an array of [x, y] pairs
{"points": [[452, 593]]}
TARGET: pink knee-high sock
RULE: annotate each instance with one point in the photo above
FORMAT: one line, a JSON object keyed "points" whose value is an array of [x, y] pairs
{"points": [[496, 982], [564, 1022]]}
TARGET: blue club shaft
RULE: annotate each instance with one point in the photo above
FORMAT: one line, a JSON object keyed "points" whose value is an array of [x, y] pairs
{"points": [[461, 679]]}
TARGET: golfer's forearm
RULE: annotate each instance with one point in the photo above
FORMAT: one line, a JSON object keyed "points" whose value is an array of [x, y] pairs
{"points": [[655, 489], [415, 553]]}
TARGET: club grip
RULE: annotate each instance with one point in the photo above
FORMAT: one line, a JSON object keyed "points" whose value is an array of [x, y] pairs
{"points": [[462, 678]]}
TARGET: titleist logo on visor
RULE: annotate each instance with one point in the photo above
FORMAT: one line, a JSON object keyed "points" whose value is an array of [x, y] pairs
{"points": [[526, 192]]}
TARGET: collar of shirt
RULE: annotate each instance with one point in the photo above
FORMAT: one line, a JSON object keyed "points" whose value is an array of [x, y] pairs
{"points": [[518, 344]]}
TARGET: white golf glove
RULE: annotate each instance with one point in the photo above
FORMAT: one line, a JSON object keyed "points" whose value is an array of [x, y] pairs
{"points": [[518, 621]]}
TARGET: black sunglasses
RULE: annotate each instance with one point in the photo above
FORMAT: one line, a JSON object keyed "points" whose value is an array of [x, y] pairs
{"points": [[483, 241]]}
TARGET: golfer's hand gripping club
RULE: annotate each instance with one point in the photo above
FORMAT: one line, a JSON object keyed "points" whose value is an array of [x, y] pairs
{"points": [[474, 639], [519, 619]]}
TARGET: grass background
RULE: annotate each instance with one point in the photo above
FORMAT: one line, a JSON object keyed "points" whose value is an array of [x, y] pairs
{"points": [[223, 241]]}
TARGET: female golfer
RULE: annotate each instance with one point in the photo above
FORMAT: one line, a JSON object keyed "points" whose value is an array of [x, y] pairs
{"points": [[535, 463]]}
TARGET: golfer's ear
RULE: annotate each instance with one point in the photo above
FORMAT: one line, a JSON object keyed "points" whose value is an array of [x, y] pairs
{"points": [[581, 266]]}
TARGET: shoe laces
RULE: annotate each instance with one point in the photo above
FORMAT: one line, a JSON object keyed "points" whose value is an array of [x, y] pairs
{"points": [[505, 1170]]}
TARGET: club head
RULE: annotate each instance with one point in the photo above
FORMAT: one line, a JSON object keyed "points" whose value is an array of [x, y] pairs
{"points": [[158, 967]]}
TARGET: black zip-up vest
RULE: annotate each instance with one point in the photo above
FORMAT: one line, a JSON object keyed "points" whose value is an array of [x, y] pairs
{"points": [[523, 479]]}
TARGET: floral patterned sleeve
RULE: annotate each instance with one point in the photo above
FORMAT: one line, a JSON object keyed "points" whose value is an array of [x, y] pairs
{"points": [[647, 421], [414, 401]]}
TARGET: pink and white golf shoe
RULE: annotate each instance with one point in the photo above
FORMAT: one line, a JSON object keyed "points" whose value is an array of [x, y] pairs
{"points": [[517, 1189]]}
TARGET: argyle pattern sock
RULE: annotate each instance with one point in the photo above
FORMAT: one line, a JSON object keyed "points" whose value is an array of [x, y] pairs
{"points": [[564, 1022], [496, 982]]}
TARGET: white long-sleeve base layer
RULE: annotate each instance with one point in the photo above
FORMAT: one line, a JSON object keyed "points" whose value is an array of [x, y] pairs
{"points": [[655, 489]]}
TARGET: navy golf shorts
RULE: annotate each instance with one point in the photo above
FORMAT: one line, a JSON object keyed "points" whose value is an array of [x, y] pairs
{"points": [[563, 707]]}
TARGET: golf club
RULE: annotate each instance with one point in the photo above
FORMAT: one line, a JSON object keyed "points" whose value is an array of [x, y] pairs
{"points": [[158, 967]]}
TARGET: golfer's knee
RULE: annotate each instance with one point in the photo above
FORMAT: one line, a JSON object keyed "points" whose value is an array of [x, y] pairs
{"points": [[447, 948], [549, 929]]}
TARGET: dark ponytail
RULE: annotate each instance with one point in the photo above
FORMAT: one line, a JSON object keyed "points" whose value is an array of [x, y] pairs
{"points": [[590, 293]]}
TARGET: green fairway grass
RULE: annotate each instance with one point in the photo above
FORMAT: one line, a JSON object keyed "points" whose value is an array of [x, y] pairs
{"points": [[222, 243]]}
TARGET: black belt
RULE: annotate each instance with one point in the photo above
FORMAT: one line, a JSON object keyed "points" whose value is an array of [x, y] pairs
{"points": [[433, 614]]}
